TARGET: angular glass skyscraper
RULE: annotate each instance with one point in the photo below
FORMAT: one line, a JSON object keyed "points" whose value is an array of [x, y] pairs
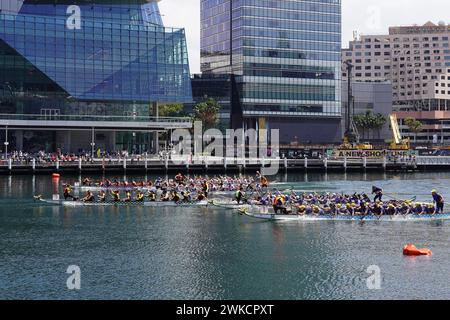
{"points": [[285, 58], [93, 58]]}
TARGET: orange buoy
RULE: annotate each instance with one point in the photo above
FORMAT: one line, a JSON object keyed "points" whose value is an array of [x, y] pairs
{"points": [[412, 250], [56, 175]]}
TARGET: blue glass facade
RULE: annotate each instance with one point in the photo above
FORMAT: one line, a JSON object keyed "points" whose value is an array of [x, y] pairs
{"points": [[118, 57], [285, 56]]}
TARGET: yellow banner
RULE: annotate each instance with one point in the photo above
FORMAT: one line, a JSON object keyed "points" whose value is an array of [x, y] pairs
{"points": [[372, 154]]}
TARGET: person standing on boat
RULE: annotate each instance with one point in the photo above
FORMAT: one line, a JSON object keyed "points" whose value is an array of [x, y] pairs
{"points": [[378, 193], [438, 201]]}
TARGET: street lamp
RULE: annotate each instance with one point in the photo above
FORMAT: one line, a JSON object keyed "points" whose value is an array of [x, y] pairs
{"points": [[6, 142], [93, 143]]}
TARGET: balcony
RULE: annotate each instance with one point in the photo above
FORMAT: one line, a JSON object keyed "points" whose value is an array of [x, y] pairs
{"points": [[46, 121]]}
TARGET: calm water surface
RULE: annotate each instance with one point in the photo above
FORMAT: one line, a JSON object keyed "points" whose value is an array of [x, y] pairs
{"points": [[158, 253]]}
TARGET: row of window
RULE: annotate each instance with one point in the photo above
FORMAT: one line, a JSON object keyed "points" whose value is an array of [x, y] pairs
{"points": [[289, 44], [287, 15], [289, 92], [303, 55]]}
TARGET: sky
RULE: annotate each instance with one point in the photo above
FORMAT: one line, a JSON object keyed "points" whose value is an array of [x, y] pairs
{"points": [[364, 16]]}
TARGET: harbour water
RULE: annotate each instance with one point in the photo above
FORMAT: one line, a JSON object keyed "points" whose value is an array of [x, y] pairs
{"points": [[208, 253]]}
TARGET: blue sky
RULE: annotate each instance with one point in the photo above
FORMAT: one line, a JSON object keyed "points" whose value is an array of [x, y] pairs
{"points": [[365, 16]]}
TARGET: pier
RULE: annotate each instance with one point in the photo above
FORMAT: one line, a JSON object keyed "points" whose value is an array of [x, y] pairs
{"points": [[201, 164]]}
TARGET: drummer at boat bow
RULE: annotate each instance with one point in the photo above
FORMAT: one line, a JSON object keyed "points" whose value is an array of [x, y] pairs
{"points": [[378, 193]]}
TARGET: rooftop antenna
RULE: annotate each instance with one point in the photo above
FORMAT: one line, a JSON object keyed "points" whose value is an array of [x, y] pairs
{"points": [[355, 35]]}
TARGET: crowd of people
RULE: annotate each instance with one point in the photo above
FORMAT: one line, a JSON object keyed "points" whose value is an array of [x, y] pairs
{"points": [[42, 157]]}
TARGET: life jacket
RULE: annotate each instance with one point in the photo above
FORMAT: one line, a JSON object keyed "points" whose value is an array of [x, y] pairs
{"points": [[67, 190], [278, 201], [140, 197]]}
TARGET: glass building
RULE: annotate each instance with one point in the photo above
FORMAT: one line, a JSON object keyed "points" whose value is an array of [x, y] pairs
{"points": [[78, 59], [285, 57]]}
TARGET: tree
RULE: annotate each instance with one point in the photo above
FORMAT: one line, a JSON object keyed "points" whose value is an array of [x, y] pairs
{"points": [[415, 126], [369, 121], [172, 110], [208, 113], [360, 123], [379, 122]]}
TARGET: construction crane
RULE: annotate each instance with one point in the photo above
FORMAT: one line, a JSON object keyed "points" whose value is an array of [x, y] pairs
{"points": [[351, 135], [399, 143]]}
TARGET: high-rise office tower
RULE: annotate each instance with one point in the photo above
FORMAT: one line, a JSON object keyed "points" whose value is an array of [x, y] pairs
{"points": [[91, 65], [284, 57]]}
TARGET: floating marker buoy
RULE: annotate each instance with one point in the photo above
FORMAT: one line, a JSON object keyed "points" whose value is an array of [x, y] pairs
{"points": [[411, 250], [56, 175]]}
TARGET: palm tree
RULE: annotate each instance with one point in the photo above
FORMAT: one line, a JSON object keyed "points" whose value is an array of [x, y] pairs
{"points": [[415, 126]]}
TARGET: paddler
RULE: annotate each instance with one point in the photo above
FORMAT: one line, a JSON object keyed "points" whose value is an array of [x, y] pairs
{"points": [[301, 210], [205, 188], [165, 196], [89, 197], [317, 211], [151, 196], [175, 197], [278, 205], [201, 197], [262, 180], [102, 196], [86, 182], [179, 178], [116, 195], [238, 195], [68, 192], [377, 209], [128, 197], [186, 196], [140, 196], [438, 201], [391, 210]]}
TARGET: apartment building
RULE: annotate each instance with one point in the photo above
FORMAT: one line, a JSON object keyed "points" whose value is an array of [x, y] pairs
{"points": [[416, 60]]}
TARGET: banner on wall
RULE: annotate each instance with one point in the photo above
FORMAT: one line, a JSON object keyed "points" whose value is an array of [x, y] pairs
{"points": [[370, 154]]}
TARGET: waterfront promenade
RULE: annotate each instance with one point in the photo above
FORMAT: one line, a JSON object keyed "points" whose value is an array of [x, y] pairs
{"points": [[201, 164]]}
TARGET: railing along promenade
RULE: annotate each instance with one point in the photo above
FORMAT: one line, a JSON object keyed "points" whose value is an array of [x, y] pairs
{"points": [[155, 164]]}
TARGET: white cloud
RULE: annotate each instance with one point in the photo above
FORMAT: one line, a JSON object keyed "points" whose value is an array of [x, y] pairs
{"points": [[367, 17]]}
